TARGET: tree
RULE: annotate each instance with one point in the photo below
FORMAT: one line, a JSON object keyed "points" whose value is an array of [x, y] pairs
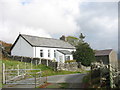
{"points": [[81, 37], [84, 53], [72, 40]]}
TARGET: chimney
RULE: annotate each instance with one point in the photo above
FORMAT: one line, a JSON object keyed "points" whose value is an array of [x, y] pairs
{"points": [[63, 38]]}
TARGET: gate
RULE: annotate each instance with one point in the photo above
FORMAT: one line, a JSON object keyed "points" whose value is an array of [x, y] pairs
{"points": [[22, 76]]}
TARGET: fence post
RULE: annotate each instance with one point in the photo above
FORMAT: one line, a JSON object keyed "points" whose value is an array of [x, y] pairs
{"points": [[18, 69], [25, 67], [31, 63], [13, 57], [36, 62], [21, 59], [3, 73], [40, 61], [101, 75], [47, 62], [111, 77]]}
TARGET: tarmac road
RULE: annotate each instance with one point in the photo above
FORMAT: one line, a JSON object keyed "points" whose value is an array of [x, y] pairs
{"points": [[74, 81], [69, 78]]}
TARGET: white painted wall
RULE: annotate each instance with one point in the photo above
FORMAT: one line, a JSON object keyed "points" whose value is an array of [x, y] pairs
{"points": [[22, 48], [60, 55], [45, 53]]}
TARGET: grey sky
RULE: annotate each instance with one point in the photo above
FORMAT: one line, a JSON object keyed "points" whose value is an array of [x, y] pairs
{"points": [[53, 18], [100, 24]]}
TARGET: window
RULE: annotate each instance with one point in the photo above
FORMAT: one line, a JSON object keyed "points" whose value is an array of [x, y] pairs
{"points": [[67, 58], [41, 53], [48, 53], [60, 58], [54, 54]]}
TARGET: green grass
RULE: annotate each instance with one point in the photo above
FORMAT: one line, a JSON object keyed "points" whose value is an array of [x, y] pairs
{"points": [[64, 85], [86, 78], [46, 71], [58, 85]]}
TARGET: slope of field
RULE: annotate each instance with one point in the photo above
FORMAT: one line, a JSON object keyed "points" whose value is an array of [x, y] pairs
{"points": [[46, 71], [6, 46]]}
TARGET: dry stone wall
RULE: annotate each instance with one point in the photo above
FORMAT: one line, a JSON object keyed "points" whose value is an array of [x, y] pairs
{"points": [[105, 75], [72, 66]]}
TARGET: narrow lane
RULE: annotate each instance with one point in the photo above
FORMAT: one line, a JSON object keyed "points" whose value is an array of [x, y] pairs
{"points": [[74, 81], [69, 78]]}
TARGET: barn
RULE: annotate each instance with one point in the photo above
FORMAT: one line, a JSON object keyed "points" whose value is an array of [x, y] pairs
{"points": [[108, 56]]}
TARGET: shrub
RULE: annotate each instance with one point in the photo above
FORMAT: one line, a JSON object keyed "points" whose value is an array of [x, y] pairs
{"points": [[69, 61]]}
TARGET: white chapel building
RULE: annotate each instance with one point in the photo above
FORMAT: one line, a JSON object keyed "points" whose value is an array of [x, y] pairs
{"points": [[41, 47]]}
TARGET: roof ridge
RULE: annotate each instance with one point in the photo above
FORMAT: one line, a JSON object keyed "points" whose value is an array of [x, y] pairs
{"points": [[41, 37], [30, 40], [104, 49]]}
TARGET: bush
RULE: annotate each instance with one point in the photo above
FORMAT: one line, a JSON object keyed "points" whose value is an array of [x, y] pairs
{"points": [[69, 61]]}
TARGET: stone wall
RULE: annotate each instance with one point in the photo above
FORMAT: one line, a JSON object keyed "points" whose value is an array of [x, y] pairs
{"points": [[68, 66], [35, 61], [72, 66], [104, 75]]}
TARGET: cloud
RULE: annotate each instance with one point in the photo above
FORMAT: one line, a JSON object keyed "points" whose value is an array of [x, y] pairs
{"points": [[99, 22], [50, 16], [10, 31]]}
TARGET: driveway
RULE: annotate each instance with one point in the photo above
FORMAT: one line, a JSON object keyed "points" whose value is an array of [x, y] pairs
{"points": [[69, 78], [74, 80]]}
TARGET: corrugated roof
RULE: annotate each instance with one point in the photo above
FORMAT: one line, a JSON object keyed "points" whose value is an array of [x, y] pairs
{"points": [[66, 52], [46, 42], [102, 52]]}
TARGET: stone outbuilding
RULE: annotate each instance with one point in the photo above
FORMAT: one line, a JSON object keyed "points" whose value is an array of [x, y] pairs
{"points": [[108, 56]]}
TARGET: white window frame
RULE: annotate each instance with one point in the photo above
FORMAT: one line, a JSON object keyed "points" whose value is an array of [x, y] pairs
{"points": [[41, 53], [49, 53], [54, 54]]}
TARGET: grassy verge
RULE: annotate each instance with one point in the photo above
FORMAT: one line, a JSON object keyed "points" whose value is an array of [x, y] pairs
{"points": [[58, 85], [86, 81], [91, 83]]}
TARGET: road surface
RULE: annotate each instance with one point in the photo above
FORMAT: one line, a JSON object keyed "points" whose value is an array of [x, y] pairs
{"points": [[74, 81]]}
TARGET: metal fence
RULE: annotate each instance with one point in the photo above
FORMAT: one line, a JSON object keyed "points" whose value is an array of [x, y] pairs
{"points": [[22, 76]]}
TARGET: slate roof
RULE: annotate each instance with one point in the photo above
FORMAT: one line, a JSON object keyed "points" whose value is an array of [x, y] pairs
{"points": [[102, 52], [66, 52], [46, 42]]}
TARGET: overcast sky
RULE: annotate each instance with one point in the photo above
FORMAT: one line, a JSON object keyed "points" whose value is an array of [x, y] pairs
{"points": [[98, 21]]}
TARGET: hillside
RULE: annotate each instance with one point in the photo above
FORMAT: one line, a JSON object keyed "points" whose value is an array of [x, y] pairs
{"points": [[6, 46]]}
